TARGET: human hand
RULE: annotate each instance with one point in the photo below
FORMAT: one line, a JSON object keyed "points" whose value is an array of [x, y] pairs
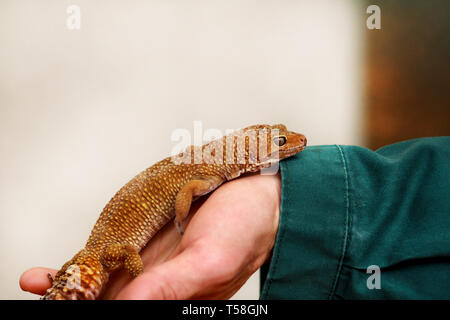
{"points": [[228, 238]]}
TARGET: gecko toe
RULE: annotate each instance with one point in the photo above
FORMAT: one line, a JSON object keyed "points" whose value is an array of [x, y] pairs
{"points": [[179, 227], [49, 276]]}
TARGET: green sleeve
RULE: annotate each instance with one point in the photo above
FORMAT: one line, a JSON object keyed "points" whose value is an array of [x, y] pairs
{"points": [[345, 208]]}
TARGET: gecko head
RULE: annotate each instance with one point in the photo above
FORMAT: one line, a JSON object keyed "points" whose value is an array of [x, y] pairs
{"points": [[275, 142], [285, 143]]}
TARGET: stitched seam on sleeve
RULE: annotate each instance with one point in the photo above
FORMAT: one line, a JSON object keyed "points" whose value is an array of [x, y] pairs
{"points": [[273, 267], [346, 226]]}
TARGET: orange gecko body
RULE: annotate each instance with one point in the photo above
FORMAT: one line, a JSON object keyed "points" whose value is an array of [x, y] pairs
{"points": [[160, 193]]}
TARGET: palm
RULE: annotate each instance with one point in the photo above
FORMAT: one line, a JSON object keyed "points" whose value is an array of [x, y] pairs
{"points": [[226, 241]]}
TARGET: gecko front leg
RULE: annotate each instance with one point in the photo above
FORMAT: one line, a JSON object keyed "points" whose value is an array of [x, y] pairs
{"points": [[198, 186]]}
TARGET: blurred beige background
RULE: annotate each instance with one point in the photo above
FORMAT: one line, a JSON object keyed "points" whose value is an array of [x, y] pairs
{"points": [[83, 111]]}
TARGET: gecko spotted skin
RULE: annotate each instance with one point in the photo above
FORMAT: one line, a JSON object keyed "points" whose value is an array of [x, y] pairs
{"points": [[160, 193]]}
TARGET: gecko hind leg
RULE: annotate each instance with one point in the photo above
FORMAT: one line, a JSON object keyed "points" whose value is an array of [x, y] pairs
{"points": [[196, 187], [125, 255]]}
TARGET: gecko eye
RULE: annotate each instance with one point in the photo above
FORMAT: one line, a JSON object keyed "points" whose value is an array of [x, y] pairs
{"points": [[280, 141]]}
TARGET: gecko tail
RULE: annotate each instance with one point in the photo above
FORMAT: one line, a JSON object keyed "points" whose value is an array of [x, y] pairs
{"points": [[79, 279]]}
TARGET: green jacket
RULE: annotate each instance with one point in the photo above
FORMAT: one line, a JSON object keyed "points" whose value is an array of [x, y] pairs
{"points": [[345, 209]]}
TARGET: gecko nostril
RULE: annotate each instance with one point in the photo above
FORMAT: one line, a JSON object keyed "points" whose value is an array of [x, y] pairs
{"points": [[303, 141]]}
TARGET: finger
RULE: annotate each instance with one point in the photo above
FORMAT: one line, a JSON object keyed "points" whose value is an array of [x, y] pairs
{"points": [[170, 280], [36, 280], [185, 276]]}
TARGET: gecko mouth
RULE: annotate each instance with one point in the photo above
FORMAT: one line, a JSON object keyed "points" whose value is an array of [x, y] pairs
{"points": [[291, 151]]}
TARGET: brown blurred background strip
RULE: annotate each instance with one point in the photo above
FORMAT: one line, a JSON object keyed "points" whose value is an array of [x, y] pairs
{"points": [[408, 72]]}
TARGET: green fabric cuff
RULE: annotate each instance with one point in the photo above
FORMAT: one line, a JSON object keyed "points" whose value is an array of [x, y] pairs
{"points": [[347, 208], [314, 226]]}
